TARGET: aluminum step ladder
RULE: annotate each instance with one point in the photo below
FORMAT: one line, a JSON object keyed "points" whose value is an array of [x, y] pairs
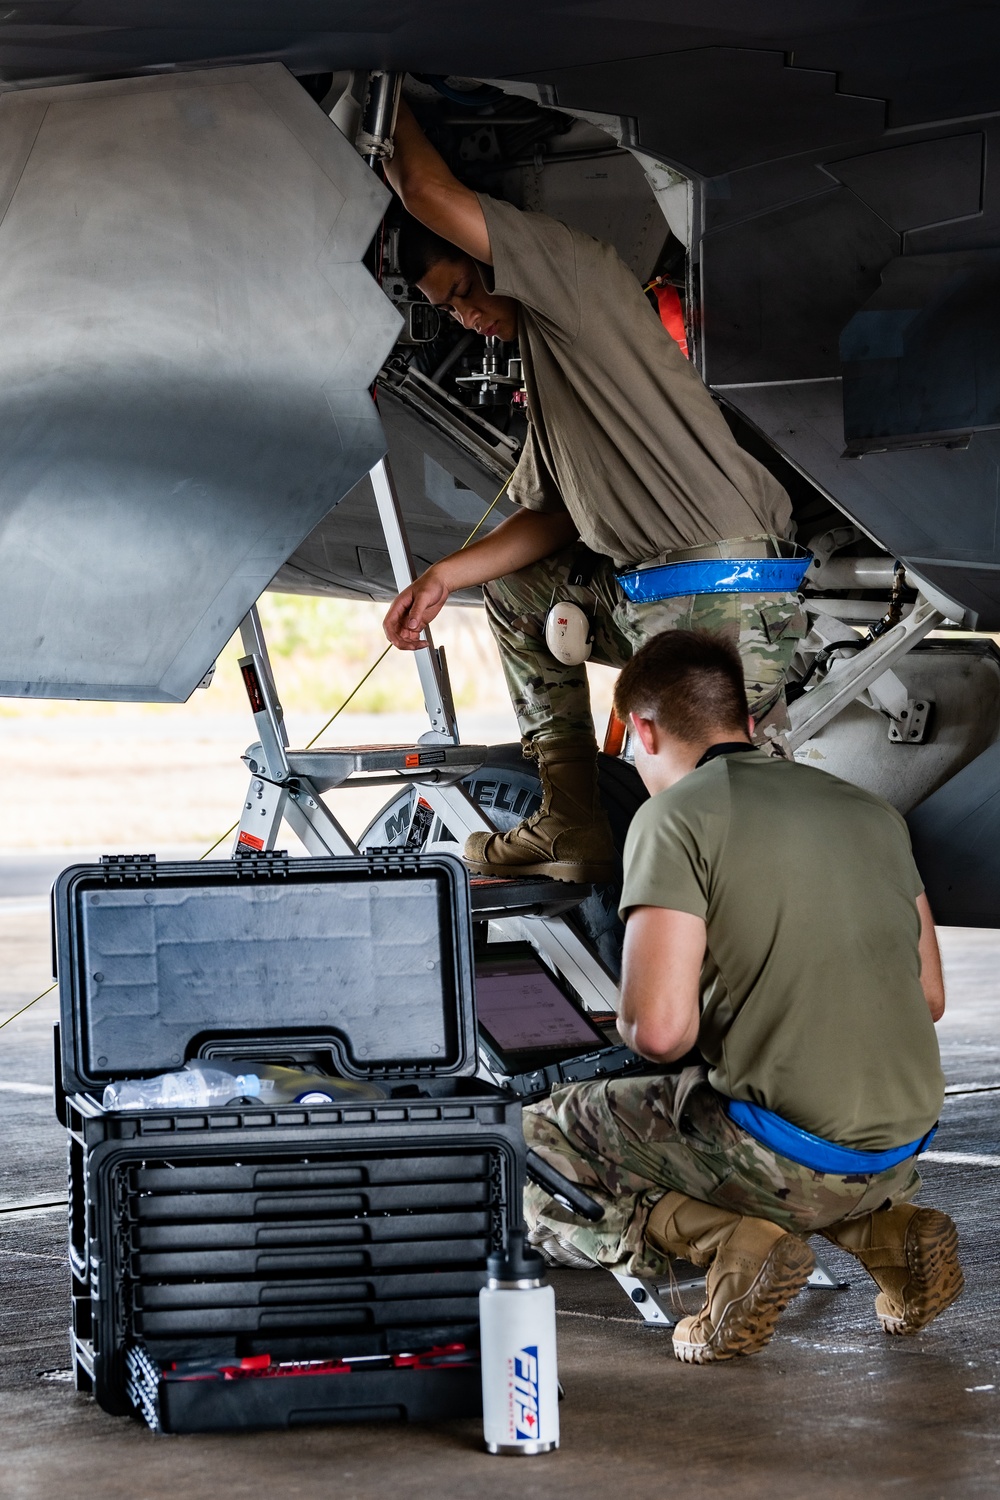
{"points": [[287, 785]]}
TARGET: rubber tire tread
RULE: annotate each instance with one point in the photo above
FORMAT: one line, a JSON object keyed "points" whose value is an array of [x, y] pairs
{"points": [[622, 793]]}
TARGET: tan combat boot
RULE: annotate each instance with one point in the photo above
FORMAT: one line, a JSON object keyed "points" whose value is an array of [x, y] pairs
{"points": [[911, 1254], [754, 1271], [569, 837]]}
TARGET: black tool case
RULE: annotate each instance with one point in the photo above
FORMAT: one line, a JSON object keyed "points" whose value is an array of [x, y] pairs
{"points": [[258, 1266]]}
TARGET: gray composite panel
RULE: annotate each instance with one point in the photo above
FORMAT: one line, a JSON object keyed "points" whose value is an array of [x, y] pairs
{"points": [[187, 337]]}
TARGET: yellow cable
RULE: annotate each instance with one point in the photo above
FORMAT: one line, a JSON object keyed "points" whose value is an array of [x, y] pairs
{"points": [[355, 690], [218, 841], [377, 662], [495, 501], [31, 1002]]}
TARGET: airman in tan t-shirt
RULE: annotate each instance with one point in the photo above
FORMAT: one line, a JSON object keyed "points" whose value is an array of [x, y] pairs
{"points": [[628, 460]]}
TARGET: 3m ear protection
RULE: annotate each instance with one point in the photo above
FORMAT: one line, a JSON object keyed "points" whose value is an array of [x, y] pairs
{"points": [[568, 634]]}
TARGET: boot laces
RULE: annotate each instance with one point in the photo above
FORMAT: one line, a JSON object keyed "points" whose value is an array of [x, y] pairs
{"points": [[676, 1295]]}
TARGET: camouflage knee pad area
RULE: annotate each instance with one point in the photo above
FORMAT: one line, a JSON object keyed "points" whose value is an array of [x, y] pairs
{"points": [[628, 1141]]}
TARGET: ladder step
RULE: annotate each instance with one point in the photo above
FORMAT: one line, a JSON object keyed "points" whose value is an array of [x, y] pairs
{"points": [[524, 896], [328, 768]]}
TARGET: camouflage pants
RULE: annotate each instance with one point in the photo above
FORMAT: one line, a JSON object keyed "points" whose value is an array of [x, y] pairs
{"points": [[627, 1141], [550, 698]]}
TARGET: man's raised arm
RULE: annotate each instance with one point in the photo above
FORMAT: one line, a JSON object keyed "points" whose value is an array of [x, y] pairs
{"points": [[432, 193]]}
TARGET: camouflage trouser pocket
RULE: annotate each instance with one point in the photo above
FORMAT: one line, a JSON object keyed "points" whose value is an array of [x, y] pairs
{"points": [[781, 622]]}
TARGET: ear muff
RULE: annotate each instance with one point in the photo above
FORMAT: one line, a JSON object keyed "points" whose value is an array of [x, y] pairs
{"points": [[568, 634]]}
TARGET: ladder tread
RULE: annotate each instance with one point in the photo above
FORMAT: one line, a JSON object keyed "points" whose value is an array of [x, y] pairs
{"points": [[534, 895], [330, 766]]}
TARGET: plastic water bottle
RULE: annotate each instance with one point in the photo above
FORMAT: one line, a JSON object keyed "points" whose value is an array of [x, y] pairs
{"points": [[196, 1086], [517, 1325]]}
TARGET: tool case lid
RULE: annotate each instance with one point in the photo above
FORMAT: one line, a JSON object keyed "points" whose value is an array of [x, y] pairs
{"points": [[368, 958]]}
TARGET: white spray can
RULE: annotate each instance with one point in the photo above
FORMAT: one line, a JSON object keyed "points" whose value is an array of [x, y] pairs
{"points": [[517, 1322]]}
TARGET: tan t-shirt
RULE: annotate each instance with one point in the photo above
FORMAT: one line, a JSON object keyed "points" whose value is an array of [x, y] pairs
{"points": [[811, 998], [624, 433]]}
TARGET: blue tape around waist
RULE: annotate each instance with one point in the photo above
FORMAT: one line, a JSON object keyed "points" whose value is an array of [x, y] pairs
{"points": [[714, 575], [811, 1150]]}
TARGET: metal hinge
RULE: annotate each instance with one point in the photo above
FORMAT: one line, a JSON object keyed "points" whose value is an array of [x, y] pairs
{"points": [[134, 867], [909, 725], [260, 864], [391, 860]]}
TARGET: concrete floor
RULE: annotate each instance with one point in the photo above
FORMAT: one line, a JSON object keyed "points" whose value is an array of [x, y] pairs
{"points": [[832, 1408]]}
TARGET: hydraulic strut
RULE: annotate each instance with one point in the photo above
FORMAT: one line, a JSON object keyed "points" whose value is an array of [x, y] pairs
{"points": [[378, 118]]}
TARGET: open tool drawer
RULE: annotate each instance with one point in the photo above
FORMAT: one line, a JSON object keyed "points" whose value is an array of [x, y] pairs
{"points": [[254, 1266]]}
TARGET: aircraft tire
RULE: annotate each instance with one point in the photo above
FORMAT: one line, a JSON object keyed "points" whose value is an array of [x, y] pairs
{"points": [[507, 787]]}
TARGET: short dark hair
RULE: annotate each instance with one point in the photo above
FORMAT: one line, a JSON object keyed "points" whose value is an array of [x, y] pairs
{"points": [[689, 682], [419, 248]]}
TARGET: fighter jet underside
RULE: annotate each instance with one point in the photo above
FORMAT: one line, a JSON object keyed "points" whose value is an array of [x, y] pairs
{"points": [[190, 330]]}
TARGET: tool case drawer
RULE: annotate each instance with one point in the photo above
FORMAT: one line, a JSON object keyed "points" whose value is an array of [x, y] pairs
{"points": [[167, 1206], [362, 1315], [292, 1291], [294, 1178], [439, 1230], [333, 1260]]}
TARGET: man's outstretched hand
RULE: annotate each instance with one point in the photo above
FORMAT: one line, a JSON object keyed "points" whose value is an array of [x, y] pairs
{"points": [[414, 608], [520, 540]]}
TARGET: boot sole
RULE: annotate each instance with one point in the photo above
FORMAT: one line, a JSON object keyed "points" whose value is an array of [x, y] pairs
{"points": [[932, 1260], [556, 870], [747, 1324]]}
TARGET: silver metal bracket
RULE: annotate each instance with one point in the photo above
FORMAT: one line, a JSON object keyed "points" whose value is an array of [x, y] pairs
{"points": [[297, 803], [650, 1300], [847, 679], [823, 1278], [262, 815], [909, 727]]}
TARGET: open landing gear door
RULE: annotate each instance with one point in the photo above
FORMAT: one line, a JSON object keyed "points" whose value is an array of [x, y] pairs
{"points": [[187, 338]]}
